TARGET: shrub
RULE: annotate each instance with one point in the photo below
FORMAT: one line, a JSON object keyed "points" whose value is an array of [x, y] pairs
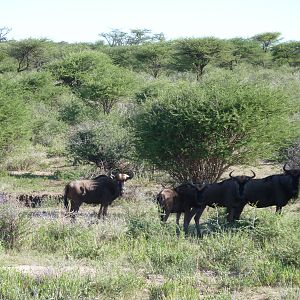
{"points": [[15, 116], [106, 143], [195, 131]]}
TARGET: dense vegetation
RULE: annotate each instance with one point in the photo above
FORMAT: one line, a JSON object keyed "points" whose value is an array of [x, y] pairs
{"points": [[175, 110], [199, 102]]}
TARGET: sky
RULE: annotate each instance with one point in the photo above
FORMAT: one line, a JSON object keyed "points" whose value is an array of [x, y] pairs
{"points": [[83, 20]]}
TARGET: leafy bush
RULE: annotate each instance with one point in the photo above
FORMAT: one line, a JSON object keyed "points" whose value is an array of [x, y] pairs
{"points": [[15, 116], [106, 143], [93, 77], [195, 131]]}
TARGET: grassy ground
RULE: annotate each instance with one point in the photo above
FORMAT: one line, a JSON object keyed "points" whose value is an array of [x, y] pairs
{"points": [[132, 256]]}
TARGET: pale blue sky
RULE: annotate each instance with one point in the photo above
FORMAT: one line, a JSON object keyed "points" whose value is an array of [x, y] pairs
{"points": [[83, 20]]}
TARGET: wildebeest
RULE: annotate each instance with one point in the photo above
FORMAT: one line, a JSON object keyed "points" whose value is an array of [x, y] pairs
{"points": [[273, 190], [178, 200], [101, 190], [228, 193], [169, 202]]}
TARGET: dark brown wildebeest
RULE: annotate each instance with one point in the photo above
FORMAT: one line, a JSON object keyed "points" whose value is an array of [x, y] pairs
{"points": [[228, 193], [272, 190], [101, 190], [170, 201]]}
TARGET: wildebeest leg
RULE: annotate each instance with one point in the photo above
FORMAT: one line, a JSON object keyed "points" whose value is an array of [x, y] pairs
{"points": [[177, 223], [187, 219], [162, 214], [100, 211], [104, 212], [186, 223], [278, 209], [198, 214], [237, 212], [230, 214], [74, 209], [166, 216], [178, 217]]}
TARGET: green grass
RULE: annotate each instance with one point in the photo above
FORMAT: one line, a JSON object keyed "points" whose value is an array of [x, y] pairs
{"points": [[131, 255]]}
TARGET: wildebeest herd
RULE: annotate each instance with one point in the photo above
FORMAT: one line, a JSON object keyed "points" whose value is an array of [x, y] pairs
{"points": [[191, 199]]}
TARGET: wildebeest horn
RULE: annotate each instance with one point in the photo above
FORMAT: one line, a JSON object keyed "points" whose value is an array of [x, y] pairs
{"points": [[284, 167], [253, 174], [130, 174], [230, 174]]}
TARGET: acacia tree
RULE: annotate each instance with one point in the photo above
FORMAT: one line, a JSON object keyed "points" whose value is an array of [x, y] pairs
{"points": [[267, 39], [247, 50], [287, 53], [29, 53], [195, 54], [153, 58], [195, 132], [93, 77], [106, 85], [4, 31], [116, 37]]}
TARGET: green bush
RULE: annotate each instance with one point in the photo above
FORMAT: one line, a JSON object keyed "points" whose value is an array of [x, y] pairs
{"points": [[195, 131], [107, 143], [15, 116], [93, 77]]}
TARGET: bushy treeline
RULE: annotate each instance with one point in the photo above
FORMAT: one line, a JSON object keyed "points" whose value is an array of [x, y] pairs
{"points": [[202, 104]]}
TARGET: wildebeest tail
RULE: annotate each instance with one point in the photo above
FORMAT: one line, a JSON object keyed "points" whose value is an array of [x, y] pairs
{"points": [[66, 202]]}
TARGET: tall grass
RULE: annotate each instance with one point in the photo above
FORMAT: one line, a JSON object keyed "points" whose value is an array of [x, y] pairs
{"points": [[14, 285]]}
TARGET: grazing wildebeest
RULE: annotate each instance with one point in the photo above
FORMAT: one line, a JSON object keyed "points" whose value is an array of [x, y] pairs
{"points": [[228, 193], [273, 190], [169, 202], [101, 190]]}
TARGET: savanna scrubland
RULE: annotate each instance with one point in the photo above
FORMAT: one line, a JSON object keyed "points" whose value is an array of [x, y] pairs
{"points": [[171, 112]]}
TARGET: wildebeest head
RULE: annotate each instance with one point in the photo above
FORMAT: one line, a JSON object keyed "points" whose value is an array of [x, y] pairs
{"points": [[241, 180], [121, 178], [294, 175]]}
